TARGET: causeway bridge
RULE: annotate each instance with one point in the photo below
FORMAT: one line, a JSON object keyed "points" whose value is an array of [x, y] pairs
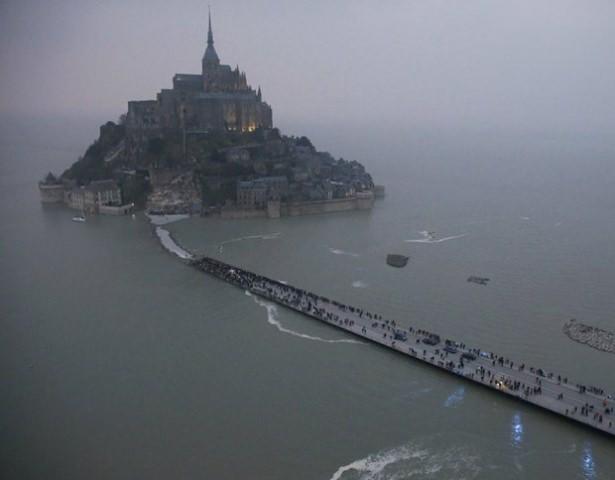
{"points": [[588, 405]]}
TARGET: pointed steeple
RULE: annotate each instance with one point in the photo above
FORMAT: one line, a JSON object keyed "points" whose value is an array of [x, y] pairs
{"points": [[210, 57], [258, 94], [210, 35]]}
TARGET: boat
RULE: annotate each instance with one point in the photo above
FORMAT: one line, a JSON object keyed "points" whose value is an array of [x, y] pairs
{"points": [[79, 218], [396, 260]]}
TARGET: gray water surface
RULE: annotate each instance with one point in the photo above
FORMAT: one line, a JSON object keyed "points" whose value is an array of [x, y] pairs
{"points": [[118, 361]]}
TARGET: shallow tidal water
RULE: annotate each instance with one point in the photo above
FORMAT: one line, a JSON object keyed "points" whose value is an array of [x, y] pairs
{"points": [[118, 361]]}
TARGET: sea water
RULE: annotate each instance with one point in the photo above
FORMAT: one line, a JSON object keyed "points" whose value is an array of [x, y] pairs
{"points": [[119, 361]]}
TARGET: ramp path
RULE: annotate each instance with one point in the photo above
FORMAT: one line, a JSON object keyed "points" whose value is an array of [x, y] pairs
{"points": [[589, 405]]}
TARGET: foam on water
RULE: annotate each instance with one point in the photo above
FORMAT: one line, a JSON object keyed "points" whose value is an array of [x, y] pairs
{"points": [[264, 236], [165, 219], [337, 251], [271, 236], [408, 461], [429, 238], [272, 314], [372, 466], [359, 284], [169, 244]]}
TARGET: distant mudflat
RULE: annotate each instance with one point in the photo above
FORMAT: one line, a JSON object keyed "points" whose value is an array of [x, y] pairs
{"points": [[594, 337]]}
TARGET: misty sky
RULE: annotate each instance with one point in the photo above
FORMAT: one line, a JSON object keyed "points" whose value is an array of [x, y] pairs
{"points": [[522, 64]]}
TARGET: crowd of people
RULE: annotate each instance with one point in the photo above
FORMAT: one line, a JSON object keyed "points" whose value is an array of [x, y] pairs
{"points": [[453, 356]]}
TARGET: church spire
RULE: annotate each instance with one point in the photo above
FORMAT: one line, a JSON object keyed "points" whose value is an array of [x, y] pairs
{"points": [[210, 35], [210, 57]]}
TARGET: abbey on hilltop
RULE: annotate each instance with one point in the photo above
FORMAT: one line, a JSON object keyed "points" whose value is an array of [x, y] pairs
{"points": [[217, 99], [208, 146]]}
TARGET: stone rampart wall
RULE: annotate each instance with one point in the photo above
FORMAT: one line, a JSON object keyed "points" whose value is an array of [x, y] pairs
{"points": [[293, 209], [113, 210], [51, 193], [236, 213]]}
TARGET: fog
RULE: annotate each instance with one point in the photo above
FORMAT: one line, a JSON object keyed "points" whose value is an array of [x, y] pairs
{"points": [[525, 65], [488, 122]]}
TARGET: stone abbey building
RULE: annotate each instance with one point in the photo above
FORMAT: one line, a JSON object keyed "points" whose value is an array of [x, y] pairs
{"points": [[217, 99]]}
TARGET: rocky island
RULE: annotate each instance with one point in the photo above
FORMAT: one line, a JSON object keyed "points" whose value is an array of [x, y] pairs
{"points": [[208, 146]]}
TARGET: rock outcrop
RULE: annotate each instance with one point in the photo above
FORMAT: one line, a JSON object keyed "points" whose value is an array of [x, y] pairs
{"points": [[594, 337]]}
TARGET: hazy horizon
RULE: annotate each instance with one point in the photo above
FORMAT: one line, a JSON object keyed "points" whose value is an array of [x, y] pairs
{"points": [[531, 66]]}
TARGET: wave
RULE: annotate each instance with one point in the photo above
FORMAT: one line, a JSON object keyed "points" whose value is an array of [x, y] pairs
{"points": [[165, 219], [264, 236], [359, 284], [430, 237], [271, 236], [170, 245], [408, 461], [337, 251], [372, 466], [272, 313]]}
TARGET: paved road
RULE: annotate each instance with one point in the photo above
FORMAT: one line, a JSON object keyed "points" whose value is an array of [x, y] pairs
{"points": [[585, 404]]}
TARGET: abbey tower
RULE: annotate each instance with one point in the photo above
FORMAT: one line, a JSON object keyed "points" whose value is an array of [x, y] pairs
{"points": [[217, 99]]}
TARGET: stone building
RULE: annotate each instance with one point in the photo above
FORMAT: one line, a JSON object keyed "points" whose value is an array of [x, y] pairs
{"points": [[217, 99], [97, 194], [276, 185], [255, 193], [252, 194]]}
